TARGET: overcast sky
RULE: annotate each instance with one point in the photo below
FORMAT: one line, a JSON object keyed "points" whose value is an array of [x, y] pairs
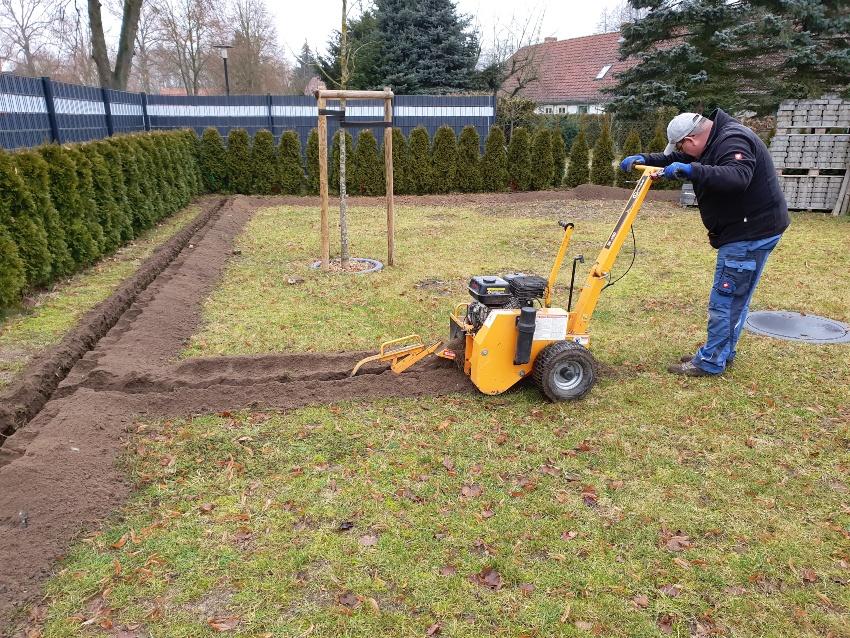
{"points": [[313, 20]]}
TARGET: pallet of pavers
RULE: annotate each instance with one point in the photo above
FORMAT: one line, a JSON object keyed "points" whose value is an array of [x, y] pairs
{"points": [[811, 151]]}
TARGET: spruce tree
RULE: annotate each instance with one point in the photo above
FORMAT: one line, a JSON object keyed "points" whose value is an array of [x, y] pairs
{"points": [[107, 210], [577, 171], [34, 171], [213, 161], [368, 173], [469, 161], [542, 163], [559, 157], [313, 162], [402, 178], [290, 169], [494, 164], [519, 160], [113, 158], [631, 146], [425, 47], [602, 166], [264, 166], [420, 161], [333, 172], [19, 216], [444, 160], [239, 161], [12, 276]]}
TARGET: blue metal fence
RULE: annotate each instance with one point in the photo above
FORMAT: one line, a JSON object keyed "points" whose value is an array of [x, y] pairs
{"points": [[34, 111]]}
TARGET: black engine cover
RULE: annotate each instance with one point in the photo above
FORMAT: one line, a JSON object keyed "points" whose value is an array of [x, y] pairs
{"points": [[490, 290]]}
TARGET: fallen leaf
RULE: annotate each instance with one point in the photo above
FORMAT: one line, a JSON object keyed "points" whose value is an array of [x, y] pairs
{"points": [[549, 469], [526, 588], [434, 629], [448, 570], [809, 575], [488, 577], [584, 446], [751, 442], [615, 484], [448, 464], [368, 540], [735, 590], [588, 495], [486, 513], [206, 508], [374, 605], [681, 562], [227, 623], [671, 590], [501, 439], [482, 546], [348, 599], [344, 526], [677, 542], [471, 491], [584, 625], [116, 567], [665, 624], [120, 542], [641, 601]]}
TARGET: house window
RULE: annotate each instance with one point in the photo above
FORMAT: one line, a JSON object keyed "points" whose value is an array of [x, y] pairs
{"points": [[562, 109], [582, 108], [548, 110], [604, 70]]}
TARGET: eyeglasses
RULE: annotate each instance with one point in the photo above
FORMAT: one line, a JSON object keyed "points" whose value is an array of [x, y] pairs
{"points": [[696, 121]]}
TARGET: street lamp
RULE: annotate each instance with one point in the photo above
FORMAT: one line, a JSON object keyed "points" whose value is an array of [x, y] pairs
{"points": [[222, 49]]}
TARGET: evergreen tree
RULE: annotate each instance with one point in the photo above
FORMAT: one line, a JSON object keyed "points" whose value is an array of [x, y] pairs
{"points": [[420, 161], [701, 54], [542, 163], [239, 161], [213, 161], [631, 146], [444, 160], [290, 169], [494, 164], [519, 160], [402, 178], [12, 277], [313, 162], [425, 47], [363, 50], [577, 171], [333, 172], [152, 178], [193, 148], [23, 223], [559, 156], [141, 204], [264, 166], [87, 200], [34, 171], [368, 173], [602, 166], [113, 159], [468, 161], [107, 209], [659, 139]]}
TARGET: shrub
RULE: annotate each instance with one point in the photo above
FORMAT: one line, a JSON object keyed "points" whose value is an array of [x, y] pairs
{"points": [[313, 162], [659, 139], [494, 164], [23, 223], [112, 156], [239, 161], [333, 170], [34, 171], [444, 160], [420, 161], [151, 178], [138, 197], [107, 209], [468, 161], [630, 147], [577, 171], [542, 164], [368, 175], [192, 145], [290, 170], [519, 160], [179, 169], [402, 177], [65, 194], [602, 167], [212, 158], [12, 277], [265, 177], [87, 201], [559, 157]]}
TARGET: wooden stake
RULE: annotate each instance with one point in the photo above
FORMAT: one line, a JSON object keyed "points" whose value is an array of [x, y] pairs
{"points": [[323, 184], [388, 170]]}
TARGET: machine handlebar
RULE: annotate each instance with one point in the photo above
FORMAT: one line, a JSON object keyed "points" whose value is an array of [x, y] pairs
{"points": [[565, 225]]}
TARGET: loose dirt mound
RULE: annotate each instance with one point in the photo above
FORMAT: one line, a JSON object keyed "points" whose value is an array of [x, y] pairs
{"points": [[58, 474]]}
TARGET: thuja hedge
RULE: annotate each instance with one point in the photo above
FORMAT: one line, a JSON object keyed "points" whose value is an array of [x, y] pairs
{"points": [[64, 207]]}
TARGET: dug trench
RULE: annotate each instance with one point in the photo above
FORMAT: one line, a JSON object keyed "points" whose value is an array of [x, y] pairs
{"points": [[71, 414]]}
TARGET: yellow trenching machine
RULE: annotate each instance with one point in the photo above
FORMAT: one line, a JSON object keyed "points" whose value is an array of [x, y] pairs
{"points": [[510, 330]]}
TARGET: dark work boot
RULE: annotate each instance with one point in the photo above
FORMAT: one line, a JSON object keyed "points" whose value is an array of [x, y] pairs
{"points": [[688, 369]]}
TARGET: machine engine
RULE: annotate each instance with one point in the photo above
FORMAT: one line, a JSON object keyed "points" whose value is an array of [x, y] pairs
{"points": [[516, 290]]}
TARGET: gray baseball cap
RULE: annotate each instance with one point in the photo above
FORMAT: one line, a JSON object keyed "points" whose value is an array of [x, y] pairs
{"points": [[679, 128]]}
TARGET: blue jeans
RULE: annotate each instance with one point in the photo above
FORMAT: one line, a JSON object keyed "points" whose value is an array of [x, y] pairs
{"points": [[738, 270]]}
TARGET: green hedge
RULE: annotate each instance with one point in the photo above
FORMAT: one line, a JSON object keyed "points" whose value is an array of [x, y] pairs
{"points": [[402, 177], [632, 146], [577, 171], [444, 160], [468, 161], [64, 207], [420, 161], [290, 169], [542, 162], [368, 177], [602, 166], [494, 164], [519, 160], [265, 174]]}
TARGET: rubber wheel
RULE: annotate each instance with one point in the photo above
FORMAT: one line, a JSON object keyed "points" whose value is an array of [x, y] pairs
{"points": [[564, 371]]}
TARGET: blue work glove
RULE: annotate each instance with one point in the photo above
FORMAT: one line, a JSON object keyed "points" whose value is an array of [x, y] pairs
{"points": [[628, 162], [677, 170]]}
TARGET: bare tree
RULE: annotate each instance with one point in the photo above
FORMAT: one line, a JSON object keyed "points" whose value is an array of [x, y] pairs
{"points": [[257, 63], [70, 30], [514, 61], [25, 27], [115, 78], [613, 18]]}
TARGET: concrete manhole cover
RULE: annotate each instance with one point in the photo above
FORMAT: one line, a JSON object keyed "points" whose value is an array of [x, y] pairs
{"points": [[793, 326]]}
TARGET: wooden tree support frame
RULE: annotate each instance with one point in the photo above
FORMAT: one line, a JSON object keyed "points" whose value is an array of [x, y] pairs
{"points": [[322, 96]]}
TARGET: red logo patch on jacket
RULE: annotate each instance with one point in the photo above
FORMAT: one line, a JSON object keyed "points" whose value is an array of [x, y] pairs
{"points": [[739, 156]]}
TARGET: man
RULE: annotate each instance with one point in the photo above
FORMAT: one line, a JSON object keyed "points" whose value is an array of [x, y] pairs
{"points": [[744, 210]]}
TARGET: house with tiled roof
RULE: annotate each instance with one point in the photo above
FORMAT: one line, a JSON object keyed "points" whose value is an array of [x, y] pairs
{"points": [[567, 76]]}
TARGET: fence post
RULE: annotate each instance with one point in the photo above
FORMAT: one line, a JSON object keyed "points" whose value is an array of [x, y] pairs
{"points": [[271, 116], [47, 87], [145, 117], [107, 107]]}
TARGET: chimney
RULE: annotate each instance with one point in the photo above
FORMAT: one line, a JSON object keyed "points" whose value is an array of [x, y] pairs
{"points": [[550, 38]]}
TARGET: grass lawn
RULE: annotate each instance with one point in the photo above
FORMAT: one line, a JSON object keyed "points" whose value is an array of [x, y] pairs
{"points": [[656, 506], [48, 315]]}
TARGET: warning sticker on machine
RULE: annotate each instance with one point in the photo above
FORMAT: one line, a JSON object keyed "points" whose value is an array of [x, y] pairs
{"points": [[550, 326]]}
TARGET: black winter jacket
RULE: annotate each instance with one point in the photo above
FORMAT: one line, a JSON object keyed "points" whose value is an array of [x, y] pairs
{"points": [[735, 183]]}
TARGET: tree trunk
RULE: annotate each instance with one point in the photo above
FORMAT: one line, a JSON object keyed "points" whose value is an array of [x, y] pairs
{"points": [[114, 78], [343, 84]]}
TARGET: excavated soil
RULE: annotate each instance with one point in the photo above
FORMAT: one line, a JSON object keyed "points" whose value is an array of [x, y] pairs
{"points": [[67, 419]]}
